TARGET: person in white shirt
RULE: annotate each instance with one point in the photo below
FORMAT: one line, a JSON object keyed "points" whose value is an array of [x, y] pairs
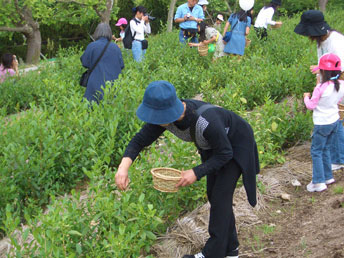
{"points": [[264, 19], [139, 26], [314, 26], [325, 97]]}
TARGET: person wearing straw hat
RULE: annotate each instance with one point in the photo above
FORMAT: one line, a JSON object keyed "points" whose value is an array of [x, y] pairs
{"points": [[314, 26], [188, 15], [227, 147], [264, 19], [324, 103]]}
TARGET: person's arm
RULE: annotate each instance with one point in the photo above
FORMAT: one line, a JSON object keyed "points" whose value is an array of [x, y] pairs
{"points": [[269, 13], [147, 27], [145, 137], [311, 103], [222, 150], [247, 31], [226, 28], [179, 17], [86, 57], [212, 39]]}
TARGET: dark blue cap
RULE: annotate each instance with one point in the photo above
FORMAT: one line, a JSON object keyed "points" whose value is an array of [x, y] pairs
{"points": [[160, 104]]}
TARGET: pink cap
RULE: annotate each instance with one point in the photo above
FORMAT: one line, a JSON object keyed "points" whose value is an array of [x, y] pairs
{"points": [[121, 22], [330, 62]]}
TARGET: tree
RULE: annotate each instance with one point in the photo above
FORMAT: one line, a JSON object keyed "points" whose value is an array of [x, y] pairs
{"points": [[18, 17], [171, 15], [25, 17], [322, 5]]}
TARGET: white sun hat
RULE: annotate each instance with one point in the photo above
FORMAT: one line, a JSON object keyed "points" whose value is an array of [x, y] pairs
{"points": [[203, 2]]}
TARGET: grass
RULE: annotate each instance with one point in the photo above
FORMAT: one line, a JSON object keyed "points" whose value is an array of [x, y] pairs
{"points": [[338, 189]]}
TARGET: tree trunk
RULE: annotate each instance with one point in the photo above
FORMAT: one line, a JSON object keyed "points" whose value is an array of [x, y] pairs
{"points": [[322, 5], [170, 15], [34, 44]]}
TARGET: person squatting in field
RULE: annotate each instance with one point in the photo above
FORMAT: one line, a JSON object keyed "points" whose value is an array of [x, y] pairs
{"points": [[188, 15], [324, 103], [314, 26], [209, 35], [227, 147]]}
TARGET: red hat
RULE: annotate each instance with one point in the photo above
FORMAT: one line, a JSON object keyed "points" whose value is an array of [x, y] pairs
{"points": [[330, 62]]}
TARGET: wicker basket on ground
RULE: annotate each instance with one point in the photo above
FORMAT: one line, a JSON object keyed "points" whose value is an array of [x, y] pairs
{"points": [[165, 179], [203, 50], [247, 43], [276, 26]]}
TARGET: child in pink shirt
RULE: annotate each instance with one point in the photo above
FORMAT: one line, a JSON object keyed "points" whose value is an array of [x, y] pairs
{"points": [[8, 67], [324, 103]]}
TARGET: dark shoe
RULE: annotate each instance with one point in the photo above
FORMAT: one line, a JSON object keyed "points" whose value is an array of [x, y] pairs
{"points": [[199, 255]]}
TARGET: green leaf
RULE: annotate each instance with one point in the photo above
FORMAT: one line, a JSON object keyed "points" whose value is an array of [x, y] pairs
{"points": [[121, 229], [151, 235], [274, 126], [74, 233]]}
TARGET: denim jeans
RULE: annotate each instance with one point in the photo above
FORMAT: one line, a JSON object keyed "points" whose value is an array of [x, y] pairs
{"points": [[138, 52], [337, 150], [322, 140], [184, 39]]}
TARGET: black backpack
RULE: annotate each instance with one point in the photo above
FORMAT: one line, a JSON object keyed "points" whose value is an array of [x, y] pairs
{"points": [[128, 37]]}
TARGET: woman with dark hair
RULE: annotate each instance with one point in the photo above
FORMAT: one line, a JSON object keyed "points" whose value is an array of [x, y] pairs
{"points": [[264, 19], [240, 24], [314, 26], [8, 67], [109, 66], [227, 147], [139, 26], [209, 35]]}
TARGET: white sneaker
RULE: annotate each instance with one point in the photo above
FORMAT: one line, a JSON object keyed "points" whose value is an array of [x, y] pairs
{"points": [[232, 256], [316, 187], [330, 181], [336, 166], [199, 255]]}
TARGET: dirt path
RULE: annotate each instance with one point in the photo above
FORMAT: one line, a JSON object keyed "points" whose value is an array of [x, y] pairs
{"points": [[309, 225]]}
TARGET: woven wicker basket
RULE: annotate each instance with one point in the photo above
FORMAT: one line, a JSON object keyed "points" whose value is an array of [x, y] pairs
{"points": [[203, 50], [165, 179], [276, 26], [247, 43]]}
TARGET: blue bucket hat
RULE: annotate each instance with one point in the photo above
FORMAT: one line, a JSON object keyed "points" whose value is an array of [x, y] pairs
{"points": [[160, 104]]}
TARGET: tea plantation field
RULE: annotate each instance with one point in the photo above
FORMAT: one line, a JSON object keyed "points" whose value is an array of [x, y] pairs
{"points": [[51, 141]]}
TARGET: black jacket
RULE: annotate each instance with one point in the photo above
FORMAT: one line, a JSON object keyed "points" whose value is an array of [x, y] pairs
{"points": [[220, 135]]}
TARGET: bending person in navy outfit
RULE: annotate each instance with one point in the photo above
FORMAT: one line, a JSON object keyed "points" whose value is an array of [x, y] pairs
{"points": [[109, 66], [227, 147]]}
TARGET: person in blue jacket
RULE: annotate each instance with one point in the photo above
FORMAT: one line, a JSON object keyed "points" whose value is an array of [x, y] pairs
{"points": [[109, 66], [188, 15]]}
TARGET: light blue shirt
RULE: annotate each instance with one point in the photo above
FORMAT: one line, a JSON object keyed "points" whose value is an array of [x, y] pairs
{"points": [[183, 9]]}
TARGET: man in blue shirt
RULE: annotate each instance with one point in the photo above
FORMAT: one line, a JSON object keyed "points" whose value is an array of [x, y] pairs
{"points": [[188, 15]]}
